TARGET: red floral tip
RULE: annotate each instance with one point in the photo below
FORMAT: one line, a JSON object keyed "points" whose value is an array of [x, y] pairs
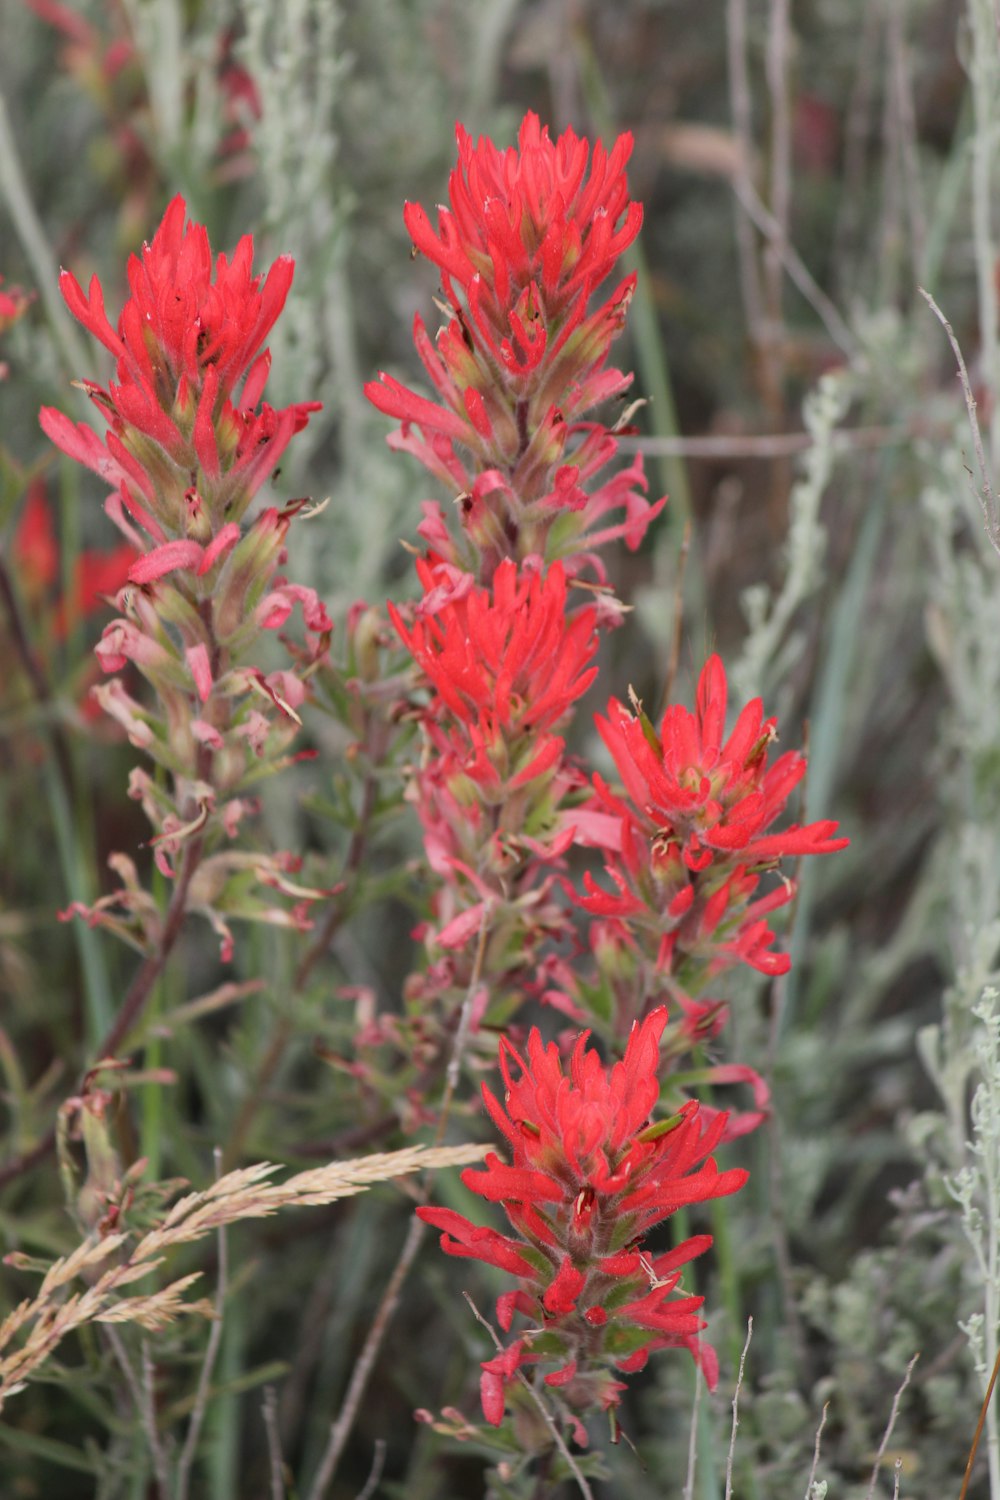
{"points": [[710, 794], [507, 660], [528, 238], [686, 851], [529, 218], [589, 1174], [189, 373], [186, 315]]}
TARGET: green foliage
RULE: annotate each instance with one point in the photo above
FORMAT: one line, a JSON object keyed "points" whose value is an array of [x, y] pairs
{"points": [[849, 579]]}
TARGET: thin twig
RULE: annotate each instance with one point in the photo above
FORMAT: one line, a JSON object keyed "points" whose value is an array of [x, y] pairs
{"points": [[897, 1470], [857, 130], [675, 643], [378, 1464], [736, 1412], [693, 1435], [900, 82], [777, 70], [768, 445], [341, 1428], [815, 1463], [141, 1393], [986, 497], [889, 1426], [149, 971], [798, 271], [454, 1072], [149, 1416], [547, 1416], [739, 93], [270, 1414], [40, 685], [190, 1448], [979, 1427]]}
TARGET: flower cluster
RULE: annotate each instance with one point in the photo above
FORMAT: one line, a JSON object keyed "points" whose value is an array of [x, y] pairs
{"points": [[686, 852], [528, 238], [504, 655], [189, 444], [504, 666], [590, 1174]]}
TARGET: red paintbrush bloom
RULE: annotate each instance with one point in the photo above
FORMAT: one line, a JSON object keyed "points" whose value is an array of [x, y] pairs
{"points": [[529, 235], [507, 663], [189, 443], [527, 239], [686, 851], [190, 374], [712, 795], [589, 1175]]}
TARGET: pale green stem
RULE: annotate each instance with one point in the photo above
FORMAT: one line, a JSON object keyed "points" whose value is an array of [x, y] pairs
{"points": [[14, 190]]}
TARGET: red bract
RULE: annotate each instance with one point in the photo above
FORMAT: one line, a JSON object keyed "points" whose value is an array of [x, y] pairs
{"points": [[507, 659], [189, 444], [529, 219], [686, 851], [189, 378], [528, 238], [713, 794], [589, 1175]]}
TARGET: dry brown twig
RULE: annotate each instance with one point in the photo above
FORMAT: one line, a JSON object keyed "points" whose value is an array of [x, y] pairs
{"points": [[340, 1429], [883, 1445], [546, 1415], [30, 1333], [816, 1447], [693, 1435]]}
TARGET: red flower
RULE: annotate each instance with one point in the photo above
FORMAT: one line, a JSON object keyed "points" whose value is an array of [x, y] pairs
{"points": [[189, 377], [528, 238], [13, 306], [530, 216], [589, 1175], [711, 794], [35, 551], [506, 663], [686, 851], [498, 1374]]}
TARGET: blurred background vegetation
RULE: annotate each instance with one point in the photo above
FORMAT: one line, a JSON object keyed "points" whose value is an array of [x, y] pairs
{"points": [[806, 166]]}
